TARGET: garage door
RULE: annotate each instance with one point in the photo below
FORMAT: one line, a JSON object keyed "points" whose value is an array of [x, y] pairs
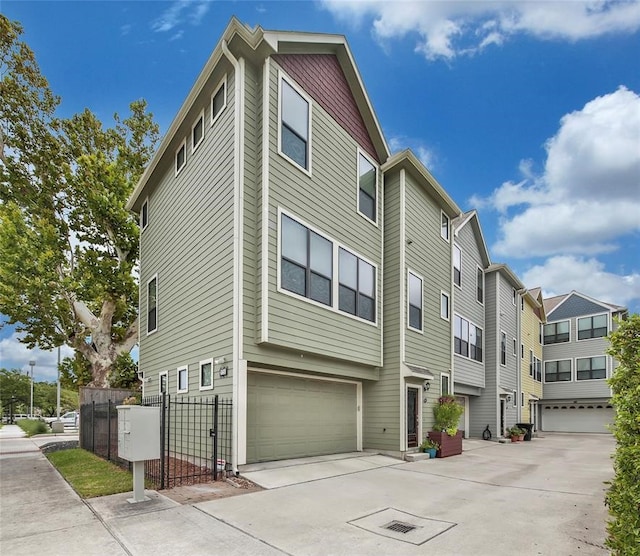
{"points": [[576, 417], [290, 417]]}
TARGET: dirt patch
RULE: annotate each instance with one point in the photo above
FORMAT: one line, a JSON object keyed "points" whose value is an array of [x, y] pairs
{"points": [[205, 491]]}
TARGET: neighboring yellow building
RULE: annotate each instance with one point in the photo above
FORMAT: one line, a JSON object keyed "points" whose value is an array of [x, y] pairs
{"points": [[533, 317]]}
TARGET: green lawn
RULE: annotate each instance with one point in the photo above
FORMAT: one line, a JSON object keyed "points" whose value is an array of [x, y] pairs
{"points": [[33, 426], [90, 475]]}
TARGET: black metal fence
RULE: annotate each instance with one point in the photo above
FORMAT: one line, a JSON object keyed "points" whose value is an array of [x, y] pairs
{"points": [[195, 438]]}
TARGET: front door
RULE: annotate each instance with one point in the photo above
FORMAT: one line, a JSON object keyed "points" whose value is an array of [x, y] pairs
{"points": [[503, 410], [412, 417]]}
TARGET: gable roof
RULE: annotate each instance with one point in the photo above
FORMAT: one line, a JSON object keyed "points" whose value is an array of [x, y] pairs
{"points": [[553, 303], [534, 295], [471, 218], [256, 45], [506, 270]]}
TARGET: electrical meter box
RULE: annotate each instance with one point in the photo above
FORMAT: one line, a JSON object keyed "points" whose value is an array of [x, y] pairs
{"points": [[138, 432]]}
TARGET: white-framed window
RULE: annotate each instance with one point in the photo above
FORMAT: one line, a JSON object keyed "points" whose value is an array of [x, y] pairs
{"points": [[479, 285], [538, 369], [181, 156], [182, 381], [445, 388], [593, 327], [591, 368], [197, 132], [163, 377], [457, 266], [414, 298], [152, 304], [521, 399], [557, 371], [295, 125], [531, 363], [556, 332], [444, 305], [467, 339], [514, 293], [317, 268], [515, 348], [206, 374], [445, 226], [521, 351], [144, 215], [219, 100], [515, 398], [522, 303], [367, 187], [503, 348]]}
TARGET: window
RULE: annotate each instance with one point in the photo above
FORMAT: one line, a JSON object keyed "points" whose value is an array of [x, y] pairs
{"points": [[444, 384], [557, 371], [152, 305], [294, 129], [480, 285], [475, 343], [162, 382], [515, 296], [538, 369], [414, 286], [503, 348], [515, 399], [206, 374], [515, 348], [197, 132], [591, 368], [457, 266], [183, 380], [467, 339], [521, 399], [357, 280], [592, 327], [219, 100], [181, 156], [144, 215], [445, 226], [444, 306], [307, 262], [531, 363], [367, 188], [556, 333], [522, 303], [522, 351]]}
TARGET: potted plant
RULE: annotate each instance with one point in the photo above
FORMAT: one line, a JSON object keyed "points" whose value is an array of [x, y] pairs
{"points": [[514, 434], [445, 432], [430, 447]]}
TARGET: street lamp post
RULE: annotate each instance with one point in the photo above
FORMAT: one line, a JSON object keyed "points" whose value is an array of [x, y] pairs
{"points": [[32, 364], [12, 403]]}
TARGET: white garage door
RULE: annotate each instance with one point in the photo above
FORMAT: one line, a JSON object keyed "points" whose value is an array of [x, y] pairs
{"points": [[577, 417], [292, 417]]}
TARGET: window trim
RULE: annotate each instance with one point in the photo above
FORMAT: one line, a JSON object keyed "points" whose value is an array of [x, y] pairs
{"points": [[376, 200], [358, 292], [544, 371], [469, 344], [334, 307], [291, 83], [456, 247], [532, 367], [479, 272], [556, 333], [591, 357], [515, 347], [200, 365], [154, 277], [166, 384], [515, 297], [444, 216], [200, 118], [448, 377], [578, 319], [184, 368], [182, 146], [444, 294], [221, 84], [144, 215], [409, 305], [503, 336]]}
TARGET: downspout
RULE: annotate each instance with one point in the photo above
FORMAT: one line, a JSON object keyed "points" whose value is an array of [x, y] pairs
{"points": [[403, 304], [521, 361], [239, 376]]}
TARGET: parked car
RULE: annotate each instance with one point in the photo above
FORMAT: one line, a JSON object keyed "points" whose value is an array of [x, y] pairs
{"points": [[69, 419]]}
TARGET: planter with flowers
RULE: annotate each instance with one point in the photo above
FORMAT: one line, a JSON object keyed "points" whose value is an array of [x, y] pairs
{"points": [[445, 431]]}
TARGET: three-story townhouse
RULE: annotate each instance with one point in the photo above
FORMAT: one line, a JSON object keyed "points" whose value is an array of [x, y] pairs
{"points": [[533, 317]]}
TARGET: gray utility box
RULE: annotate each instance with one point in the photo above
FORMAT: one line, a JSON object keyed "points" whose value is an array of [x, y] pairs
{"points": [[138, 432]]}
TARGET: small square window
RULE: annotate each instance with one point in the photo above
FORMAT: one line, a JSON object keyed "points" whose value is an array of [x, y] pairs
{"points": [[206, 374], [183, 380], [219, 100], [197, 132], [181, 157]]}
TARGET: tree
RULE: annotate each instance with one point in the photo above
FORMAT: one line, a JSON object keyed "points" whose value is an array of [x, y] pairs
{"points": [[14, 386], [45, 398], [623, 497], [68, 246]]}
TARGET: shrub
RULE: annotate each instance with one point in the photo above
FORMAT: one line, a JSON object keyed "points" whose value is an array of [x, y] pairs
{"points": [[623, 496], [447, 414], [33, 426]]}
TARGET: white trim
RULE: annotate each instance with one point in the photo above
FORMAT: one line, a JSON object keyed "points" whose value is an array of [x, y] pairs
{"points": [[200, 118], [161, 374], [450, 386], [184, 368], [557, 322], [515, 347], [453, 266], [609, 328], [502, 334], [324, 379], [221, 83], [479, 268], [154, 277], [182, 145], [200, 365], [544, 371], [514, 294], [448, 238], [283, 77], [336, 246], [575, 367], [419, 404], [402, 441], [445, 294], [407, 308], [364, 155], [266, 149], [470, 323], [144, 225]]}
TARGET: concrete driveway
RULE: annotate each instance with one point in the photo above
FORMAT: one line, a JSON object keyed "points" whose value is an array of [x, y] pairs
{"points": [[530, 498]]}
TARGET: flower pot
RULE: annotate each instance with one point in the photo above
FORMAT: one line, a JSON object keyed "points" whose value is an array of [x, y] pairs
{"points": [[514, 439], [521, 438], [432, 452], [449, 445]]}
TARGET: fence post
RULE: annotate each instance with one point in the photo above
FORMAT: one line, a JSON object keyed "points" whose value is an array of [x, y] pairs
{"points": [[163, 439], [93, 426], [215, 438], [109, 430]]}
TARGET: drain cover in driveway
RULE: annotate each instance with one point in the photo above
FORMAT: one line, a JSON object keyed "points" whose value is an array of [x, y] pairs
{"points": [[402, 526]]}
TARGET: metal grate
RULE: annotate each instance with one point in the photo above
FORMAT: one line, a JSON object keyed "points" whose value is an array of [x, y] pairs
{"points": [[400, 527]]}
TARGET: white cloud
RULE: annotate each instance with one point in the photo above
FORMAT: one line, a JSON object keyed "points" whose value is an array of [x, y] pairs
{"points": [[16, 355], [180, 12], [448, 29], [562, 274], [426, 155]]}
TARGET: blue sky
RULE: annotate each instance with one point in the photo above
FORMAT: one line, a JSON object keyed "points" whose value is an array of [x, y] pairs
{"points": [[526, 111]]}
